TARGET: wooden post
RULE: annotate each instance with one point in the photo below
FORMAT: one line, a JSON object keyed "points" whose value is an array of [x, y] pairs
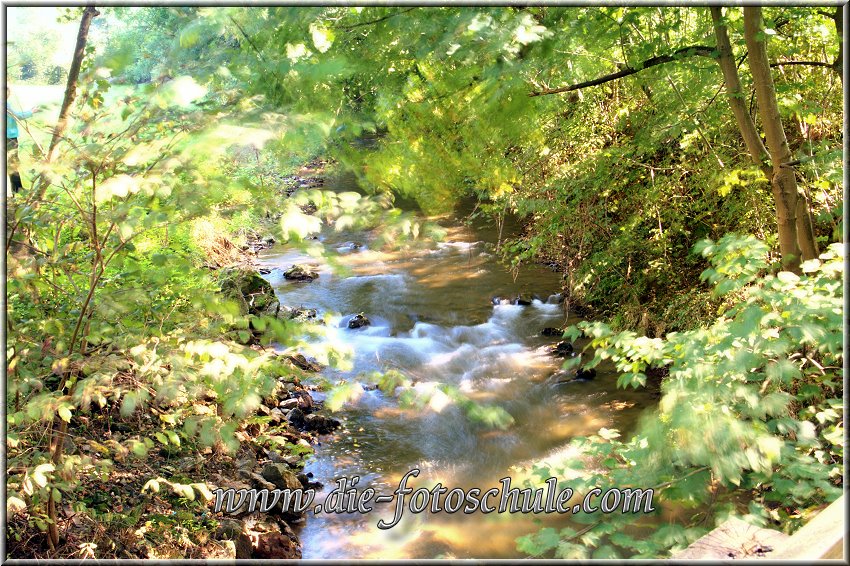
{"points": [[822, 538]]}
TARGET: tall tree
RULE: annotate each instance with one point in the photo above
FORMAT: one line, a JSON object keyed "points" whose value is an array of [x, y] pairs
{"points": [[735, 94], [60, 427], [793, 239], [73, 74], [796, 234]]}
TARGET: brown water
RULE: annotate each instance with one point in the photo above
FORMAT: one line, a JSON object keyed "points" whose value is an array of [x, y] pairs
{"points": [[433, 319]]}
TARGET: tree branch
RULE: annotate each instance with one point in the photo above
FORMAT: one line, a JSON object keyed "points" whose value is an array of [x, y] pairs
{"points": [[74, 72], [248, 39], [690, 51], [809, 63], [379, 20], [89, 13]]}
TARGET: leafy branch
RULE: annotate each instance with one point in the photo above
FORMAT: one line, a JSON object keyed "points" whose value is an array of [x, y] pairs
{"points": [[679, 54]]}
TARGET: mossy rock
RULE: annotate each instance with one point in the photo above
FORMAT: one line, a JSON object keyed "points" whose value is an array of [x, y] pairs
{"points": [[300, 273], [254, 294]]}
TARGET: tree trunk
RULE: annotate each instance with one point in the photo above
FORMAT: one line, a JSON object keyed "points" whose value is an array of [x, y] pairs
{"points": [[783, 181], [838, 18], [805, 228], [58, 435], [802, 231], [70, 92], [735, 94], [73, 74]]}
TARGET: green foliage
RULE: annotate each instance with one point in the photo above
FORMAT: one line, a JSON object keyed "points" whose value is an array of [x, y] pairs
{"points": [[143, 43], [111, 314], [36, 52], [433, 396], [735, 261], [751, 409], [610, 181]]}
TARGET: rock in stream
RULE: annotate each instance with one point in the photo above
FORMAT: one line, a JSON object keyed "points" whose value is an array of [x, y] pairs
{"points": [[300, 273]]}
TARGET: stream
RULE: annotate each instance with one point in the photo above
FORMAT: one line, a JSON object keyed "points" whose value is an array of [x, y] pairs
{"points": [[433, 319]]}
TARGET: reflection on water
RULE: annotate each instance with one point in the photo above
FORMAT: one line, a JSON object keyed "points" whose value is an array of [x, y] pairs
{"points": [[433, 319]]}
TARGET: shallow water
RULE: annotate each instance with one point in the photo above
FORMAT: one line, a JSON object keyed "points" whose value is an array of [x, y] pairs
{"points": [[433, 319]]}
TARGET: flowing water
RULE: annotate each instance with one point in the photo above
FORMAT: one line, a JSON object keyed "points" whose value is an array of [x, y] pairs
{"points": [[433, 319]]}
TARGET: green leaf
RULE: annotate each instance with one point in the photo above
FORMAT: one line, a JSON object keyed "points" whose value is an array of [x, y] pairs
{"points": [[322, 37], [343, 393], [39, 476], [609, 434], [139, 449], [64, 413], [605, 552]]}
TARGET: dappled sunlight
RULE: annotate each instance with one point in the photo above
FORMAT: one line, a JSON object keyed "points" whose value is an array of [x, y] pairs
{"points": [[275, 247], [471, 378], [215, 140], [180, 92]]}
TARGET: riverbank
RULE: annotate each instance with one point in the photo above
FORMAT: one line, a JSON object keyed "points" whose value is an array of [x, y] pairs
{"points": [[280, 435], [477, 390], [146, 463], [162, 504]]}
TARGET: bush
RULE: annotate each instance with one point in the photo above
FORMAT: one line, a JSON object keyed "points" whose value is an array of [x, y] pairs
{"points": [[751, 409]]}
